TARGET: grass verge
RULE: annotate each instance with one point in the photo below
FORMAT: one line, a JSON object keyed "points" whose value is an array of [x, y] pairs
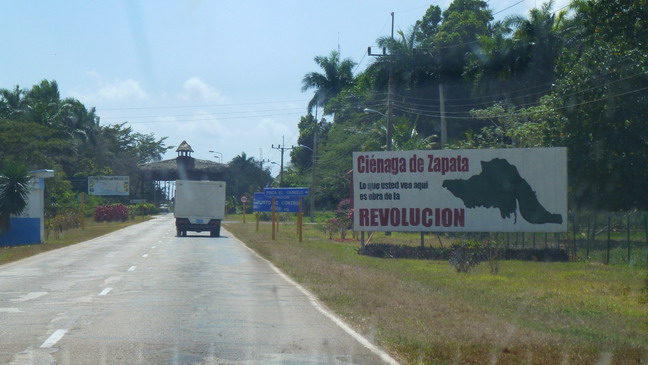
{"points": [[425, 312], [66, 238]]}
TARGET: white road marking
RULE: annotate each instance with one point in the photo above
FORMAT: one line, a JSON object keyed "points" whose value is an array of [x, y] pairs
{"points": [[145, 255], [315, 303], [154, 247], [132, 268], [29, 296], [53, 339], [105, 291], [10, 310]]}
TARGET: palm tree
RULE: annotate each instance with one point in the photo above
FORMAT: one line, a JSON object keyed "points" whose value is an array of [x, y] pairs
{"points": [[337, 75], [12, 103], [539, 36], [14, 186]]}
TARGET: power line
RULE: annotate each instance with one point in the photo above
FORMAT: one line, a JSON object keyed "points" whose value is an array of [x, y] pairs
{"points": [[203, 106], [202, 114], [216, 118], [508, 7]]}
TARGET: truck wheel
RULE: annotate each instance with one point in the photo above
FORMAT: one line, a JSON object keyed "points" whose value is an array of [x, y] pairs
{"points": [[184, 233], [178, 233], [212, 234]]}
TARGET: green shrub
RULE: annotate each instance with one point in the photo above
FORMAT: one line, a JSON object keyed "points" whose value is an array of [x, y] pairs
{"points": [[465, 256]]}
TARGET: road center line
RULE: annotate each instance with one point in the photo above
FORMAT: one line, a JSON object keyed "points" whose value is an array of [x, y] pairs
{"points": [[105, 291], [53, 339], [132, 268], [145, 255]]}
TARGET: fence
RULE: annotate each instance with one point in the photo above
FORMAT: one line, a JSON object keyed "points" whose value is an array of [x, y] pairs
{"points": [[609, 238]]}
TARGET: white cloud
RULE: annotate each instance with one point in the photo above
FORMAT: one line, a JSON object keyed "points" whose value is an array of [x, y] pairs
{"points": [[116, 90], [196, 89], [121, 90]]}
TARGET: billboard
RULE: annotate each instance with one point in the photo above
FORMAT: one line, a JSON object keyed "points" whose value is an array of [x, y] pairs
{"points": [[492, 190], [108, 185]]}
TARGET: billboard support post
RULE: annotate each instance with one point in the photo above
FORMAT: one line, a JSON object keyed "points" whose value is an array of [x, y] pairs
{"points": [[82, 211], [273, 218]]}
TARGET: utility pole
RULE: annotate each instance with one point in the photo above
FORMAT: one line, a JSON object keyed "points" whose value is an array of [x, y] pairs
{"points": [[444, 124], [282, 147], [313, 174], [390, 88], [390, 91], [390, 95], [261, 160]]}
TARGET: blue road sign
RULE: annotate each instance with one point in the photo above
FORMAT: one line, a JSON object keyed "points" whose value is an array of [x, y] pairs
{"points": [[286, 192], [283, 204]]}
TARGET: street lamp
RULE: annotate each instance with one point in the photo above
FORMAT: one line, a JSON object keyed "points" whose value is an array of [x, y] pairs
{"points": [[220, 157], [368, 110], [389, 126], [389, 130]]}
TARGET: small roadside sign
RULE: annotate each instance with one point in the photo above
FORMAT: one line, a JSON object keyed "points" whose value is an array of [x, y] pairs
{"points": [[297, 192], [244, 199]]}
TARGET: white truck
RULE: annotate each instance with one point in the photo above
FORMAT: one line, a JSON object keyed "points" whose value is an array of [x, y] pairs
{"points": [[199, 206]]}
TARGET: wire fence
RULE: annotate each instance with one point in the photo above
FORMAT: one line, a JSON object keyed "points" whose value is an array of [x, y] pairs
{"points": [[604, 237]]}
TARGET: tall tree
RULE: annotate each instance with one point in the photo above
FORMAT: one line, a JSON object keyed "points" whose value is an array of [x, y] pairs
{"points": [[245, 176], [337, 75]]}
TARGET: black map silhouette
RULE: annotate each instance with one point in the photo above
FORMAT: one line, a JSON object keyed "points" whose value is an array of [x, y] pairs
{"points": [[500, 185]]}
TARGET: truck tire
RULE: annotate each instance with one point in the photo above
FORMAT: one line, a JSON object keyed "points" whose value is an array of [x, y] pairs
{"points": [[178, 233], [215, 232]]}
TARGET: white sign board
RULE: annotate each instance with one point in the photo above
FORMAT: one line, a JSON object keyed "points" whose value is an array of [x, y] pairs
{"points": [[492, 190], [108, 185]]}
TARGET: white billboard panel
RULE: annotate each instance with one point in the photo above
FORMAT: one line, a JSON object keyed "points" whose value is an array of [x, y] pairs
{"points": [[492, 190], [108, 185]]}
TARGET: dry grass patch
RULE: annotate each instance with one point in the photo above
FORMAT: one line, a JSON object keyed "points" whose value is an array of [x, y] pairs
{"points": [[424, 312]]}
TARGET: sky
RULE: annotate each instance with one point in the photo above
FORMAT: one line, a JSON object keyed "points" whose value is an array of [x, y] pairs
{"points": [[223, 75]]}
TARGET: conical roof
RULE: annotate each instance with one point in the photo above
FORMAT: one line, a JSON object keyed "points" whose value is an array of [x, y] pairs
{"points": [[184, 147]]}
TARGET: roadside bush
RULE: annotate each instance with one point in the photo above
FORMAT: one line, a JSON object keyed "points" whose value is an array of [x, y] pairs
{"points": [[384, 250], [111, 213], [465, 256], [142, 209], [61, 222], [344, 217]]}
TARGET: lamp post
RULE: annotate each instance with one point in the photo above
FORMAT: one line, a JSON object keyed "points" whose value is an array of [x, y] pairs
{"points": [[389, 133], [312, 187], [220, 155], [389, 126]]}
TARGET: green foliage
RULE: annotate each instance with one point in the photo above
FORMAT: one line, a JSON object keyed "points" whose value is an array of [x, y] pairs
{"points": [[142, 209], [574, 78], [61, 222], [465, 256], [338, 74], [14, 188], [245, 176]]}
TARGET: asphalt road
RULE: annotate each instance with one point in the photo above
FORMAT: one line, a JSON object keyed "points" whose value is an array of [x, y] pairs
{"points": [[142, 295]]}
